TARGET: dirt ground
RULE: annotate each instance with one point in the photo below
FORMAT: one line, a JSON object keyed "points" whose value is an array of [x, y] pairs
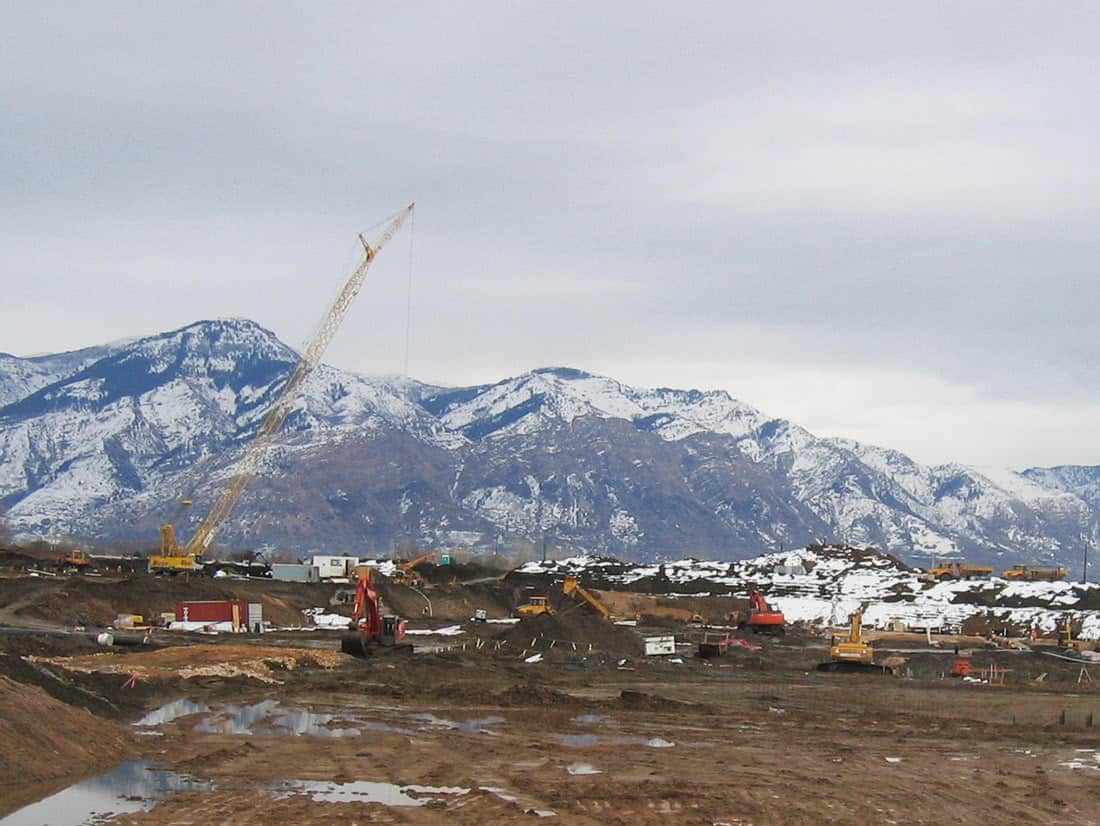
{"points": [[286, 729]]}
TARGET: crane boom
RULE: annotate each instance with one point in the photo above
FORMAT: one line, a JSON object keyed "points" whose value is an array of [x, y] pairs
{"points": [[176, 557]]}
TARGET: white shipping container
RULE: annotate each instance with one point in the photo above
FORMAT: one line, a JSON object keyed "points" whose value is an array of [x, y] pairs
{"points": [[658, 646]]}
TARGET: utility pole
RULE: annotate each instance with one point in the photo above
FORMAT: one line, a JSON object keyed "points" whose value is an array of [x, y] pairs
{"points": [[1085, 567]]}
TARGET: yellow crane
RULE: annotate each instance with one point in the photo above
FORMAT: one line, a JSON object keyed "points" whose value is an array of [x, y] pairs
{"points": [[175, 557]]}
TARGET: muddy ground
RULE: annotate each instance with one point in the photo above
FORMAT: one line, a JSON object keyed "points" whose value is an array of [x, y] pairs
{"points": [[282, 728]]}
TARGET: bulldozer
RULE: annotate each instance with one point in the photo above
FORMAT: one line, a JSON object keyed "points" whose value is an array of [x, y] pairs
{"points": [[852, 654]]}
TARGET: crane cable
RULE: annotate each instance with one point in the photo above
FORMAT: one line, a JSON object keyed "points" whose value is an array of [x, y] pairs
{"points": [[408, 295]]}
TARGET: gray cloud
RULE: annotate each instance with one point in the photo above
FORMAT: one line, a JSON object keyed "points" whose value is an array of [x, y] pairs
{"points": [[881, 223]]}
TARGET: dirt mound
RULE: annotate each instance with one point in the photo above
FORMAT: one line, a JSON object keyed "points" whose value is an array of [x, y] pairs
{"points": [[254, 661], [79, 600], [641, 701], [523, 695], [569, 628], [46, 740]]}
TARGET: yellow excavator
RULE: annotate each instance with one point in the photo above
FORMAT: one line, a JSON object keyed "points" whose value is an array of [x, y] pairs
{"points": [[406, 571], [851, 654], [175, 557]]}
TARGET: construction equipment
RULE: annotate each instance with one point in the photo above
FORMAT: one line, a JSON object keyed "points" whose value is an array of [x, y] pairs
{"points": [[74, 560], [572, 586], [852, 654], [175, 557], [763, 619], [1032, 573], [958, 570], [534, 607], [372, 628], [406, 573]]}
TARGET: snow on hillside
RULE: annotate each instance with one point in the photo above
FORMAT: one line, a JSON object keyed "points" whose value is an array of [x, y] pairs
{"points": [[823, 585]]}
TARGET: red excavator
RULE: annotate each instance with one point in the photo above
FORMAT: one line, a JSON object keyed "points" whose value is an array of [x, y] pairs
{"points": [[763, 619], [372, 629]]}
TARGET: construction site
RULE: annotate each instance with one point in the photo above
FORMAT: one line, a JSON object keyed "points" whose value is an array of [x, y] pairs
{"points": [[478, 696], [826, 685]]}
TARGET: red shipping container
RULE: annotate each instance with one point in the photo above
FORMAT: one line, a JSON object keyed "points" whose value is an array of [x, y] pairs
{"points": [[211, 611]]}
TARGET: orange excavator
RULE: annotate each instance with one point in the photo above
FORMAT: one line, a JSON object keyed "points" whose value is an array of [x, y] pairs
{"points": [[763, 619], [372, 629]]}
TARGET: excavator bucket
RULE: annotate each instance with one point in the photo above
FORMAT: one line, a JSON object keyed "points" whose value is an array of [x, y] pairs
{"points": [[356, 645]]}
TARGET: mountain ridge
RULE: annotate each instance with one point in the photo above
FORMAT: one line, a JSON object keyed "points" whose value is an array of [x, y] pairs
{"points": [[98, 442]]}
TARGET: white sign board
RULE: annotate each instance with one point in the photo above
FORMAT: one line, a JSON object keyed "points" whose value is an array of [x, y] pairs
{"points": [[656, 646]]}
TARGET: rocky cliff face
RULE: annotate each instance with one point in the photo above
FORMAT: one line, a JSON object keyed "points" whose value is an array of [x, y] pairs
{"points": [[102, 442]]}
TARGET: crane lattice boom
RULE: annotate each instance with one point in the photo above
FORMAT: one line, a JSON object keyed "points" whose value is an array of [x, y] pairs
{"points": [[280, 409]]}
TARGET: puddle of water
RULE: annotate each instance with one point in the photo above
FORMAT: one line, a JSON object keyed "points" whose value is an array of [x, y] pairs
{"points": [[363, 791], [232, 719], [308, 723], [244, 720], [582, 768], [132, 787], [528, 807], [171, 711], [476, 726], [593, 719], [584, 741]]}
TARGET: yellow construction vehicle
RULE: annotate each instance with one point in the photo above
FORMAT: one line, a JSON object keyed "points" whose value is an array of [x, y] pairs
{"points": [[175, 557], [572, 586], [1032, 573], [851, 654], [958, 570], [74, 560], [534, 607], [406, 572]]}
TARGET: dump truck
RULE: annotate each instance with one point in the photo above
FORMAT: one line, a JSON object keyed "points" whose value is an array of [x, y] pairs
{"points": [[572, 587], [1033, 573], [534, 607], [958, 570]]}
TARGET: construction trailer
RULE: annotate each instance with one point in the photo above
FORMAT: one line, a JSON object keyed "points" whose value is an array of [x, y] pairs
{"points": [[286, 572], [335, 567]]}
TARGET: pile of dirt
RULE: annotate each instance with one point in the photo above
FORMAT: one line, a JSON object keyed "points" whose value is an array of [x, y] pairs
{"points": [[641, 701], [257, 662], [46, 741], [79, 600], [528, 694], [585, 630]]}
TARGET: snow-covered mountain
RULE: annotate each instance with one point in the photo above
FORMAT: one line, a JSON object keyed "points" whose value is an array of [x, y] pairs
{"points": [[100, 443]]}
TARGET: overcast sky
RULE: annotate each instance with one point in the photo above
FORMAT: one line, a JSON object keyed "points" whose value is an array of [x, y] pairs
{"points": [[878, 220]]}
